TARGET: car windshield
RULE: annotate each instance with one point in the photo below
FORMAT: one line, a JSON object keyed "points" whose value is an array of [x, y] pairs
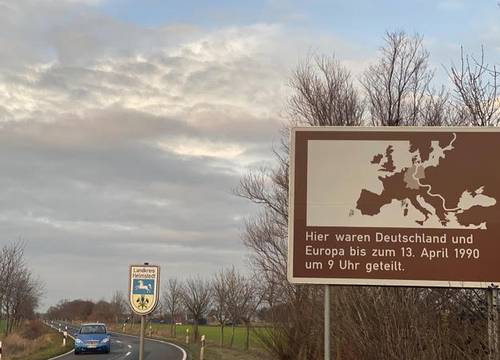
{"points": [[93, 329]]}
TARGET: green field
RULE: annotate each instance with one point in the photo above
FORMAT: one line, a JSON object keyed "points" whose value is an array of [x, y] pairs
{"points": [[211, 332], [212, 335]]}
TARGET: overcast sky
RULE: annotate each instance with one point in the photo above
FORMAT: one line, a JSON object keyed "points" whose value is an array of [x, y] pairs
{"points": [[125, 125]]}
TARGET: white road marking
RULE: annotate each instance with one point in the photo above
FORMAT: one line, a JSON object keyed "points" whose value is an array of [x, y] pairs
{"points": [[118, 341], [129, 346], [184, 354], [60, 356], [127, 354], [69, 352]]}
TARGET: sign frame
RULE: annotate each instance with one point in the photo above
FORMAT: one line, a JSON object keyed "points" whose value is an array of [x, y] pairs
{"points": [[156, 295], [367, 281]]}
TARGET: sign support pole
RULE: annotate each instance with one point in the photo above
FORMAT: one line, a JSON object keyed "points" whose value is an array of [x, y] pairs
{"points": [[492, 296], [327, 322], [144, 284], [141, 339]]}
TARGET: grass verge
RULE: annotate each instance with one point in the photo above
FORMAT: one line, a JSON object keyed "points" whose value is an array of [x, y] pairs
{"points": [[212, 349], [34, 341]]}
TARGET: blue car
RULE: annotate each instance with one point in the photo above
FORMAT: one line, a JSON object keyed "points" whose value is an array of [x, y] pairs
{"points": [[92, 338]]}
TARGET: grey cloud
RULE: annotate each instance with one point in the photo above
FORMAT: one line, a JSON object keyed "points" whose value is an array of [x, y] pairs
{"points": [[92, 114]]}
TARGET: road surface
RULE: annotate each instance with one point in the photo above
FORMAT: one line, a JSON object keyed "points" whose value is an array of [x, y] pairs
{"points": [[126, 347]]}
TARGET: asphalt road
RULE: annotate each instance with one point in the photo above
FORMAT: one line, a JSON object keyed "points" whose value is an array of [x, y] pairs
{"points": [[126, 347]]}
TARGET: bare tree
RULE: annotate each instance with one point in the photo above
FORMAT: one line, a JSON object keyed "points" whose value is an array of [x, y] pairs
{"points": [[324, 94], [397, 84], [20, 292], [220, 301], [252, 295], [242, 301], [420, 323], [196, 299], [119, 305], [172, 297], [477, 89]]}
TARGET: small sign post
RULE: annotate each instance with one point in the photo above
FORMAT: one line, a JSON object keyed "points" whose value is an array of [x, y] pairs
{"points": [[144, 285], [492, 296]]}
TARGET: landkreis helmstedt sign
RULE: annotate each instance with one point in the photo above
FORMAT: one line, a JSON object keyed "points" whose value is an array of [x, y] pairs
{"points": [[144, 285]]}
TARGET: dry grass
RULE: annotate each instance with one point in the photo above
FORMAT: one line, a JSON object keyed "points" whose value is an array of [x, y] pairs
{"points": [[33, 342]]}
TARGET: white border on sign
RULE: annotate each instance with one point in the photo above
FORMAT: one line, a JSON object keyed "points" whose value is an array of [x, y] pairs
{"points": [[358, 281]]}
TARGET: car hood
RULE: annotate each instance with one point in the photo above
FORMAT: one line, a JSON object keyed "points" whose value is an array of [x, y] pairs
{"points": [[87, 337]]}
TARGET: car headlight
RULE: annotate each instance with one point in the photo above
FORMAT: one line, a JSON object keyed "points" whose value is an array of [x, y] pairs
{"points": [[105, 340], [78, 341]]}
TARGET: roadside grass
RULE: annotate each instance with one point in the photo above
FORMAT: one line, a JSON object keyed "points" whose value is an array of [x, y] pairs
{"points": [[27, 345], [213, 335], [213, 351]]}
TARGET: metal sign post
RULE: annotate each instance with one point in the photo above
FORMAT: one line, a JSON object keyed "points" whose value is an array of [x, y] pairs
{"points": [[144, 286], [327, 322], [141, 339], [492, 296]]}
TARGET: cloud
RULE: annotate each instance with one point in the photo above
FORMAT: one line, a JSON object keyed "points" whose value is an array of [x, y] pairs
{"points": [[121, 143]]}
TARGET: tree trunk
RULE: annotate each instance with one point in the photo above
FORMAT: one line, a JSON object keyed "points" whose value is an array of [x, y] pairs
{"points": [[195, 331], [232, 336], [7, 320], [221, 335], [247, 341]]}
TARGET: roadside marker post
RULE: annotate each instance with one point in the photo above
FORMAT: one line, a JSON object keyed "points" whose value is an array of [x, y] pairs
{"points": [[187, 336], [65, 335], [202, 349], [144, 287], [0, 350]]}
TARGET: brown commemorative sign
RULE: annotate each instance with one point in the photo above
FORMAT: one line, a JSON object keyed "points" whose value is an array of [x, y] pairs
{"points": [[395, 206]]}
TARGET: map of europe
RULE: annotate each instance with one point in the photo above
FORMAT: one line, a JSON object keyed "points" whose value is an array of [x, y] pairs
{"points": [[420, 185]]}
